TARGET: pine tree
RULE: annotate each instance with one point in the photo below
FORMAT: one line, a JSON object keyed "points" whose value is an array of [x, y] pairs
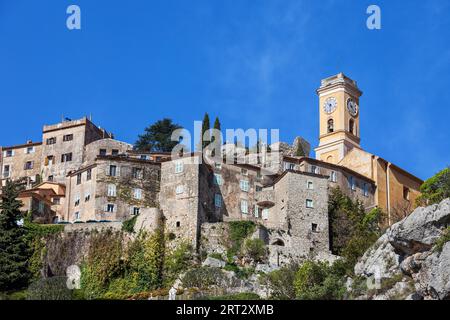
{"points": [[14, 251], [205, 127], [157, 137]]}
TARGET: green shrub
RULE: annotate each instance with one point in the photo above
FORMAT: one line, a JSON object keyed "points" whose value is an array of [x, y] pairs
{"points": [[435, 189], [177, 261], [281, 282], [255, 249], [237, 296], [317, 281], [443, 239], [128, 225], [203, 277], [54, 288], [239, 230]]}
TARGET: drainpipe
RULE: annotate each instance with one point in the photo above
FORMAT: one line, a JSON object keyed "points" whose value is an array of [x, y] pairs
{"points": [[68, 197], [388, 193]]}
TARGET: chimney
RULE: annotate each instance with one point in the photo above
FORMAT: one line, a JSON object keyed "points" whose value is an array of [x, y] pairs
{"points": [[29, 141]]}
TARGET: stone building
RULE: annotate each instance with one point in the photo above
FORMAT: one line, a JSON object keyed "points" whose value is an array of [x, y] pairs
{"points": [[22, 162], [80, 174]]}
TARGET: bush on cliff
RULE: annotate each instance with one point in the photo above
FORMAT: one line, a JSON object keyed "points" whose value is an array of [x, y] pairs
{"points": [[435, 189]]}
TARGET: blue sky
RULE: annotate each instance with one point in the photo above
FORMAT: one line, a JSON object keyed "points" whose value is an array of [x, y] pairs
{"points": [[255, 64]]}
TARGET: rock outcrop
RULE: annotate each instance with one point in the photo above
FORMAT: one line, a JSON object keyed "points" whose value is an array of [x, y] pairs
{"points": [[407, 252]]}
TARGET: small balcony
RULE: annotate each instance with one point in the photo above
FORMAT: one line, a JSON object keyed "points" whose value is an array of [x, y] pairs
{"points": [[266, 198]]}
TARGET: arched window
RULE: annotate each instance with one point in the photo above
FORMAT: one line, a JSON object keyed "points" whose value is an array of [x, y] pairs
{"points": [[351, 126], [330, 126]]}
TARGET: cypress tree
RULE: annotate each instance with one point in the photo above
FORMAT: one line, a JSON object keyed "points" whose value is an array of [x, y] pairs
{"points": [[14, 250], [205, 127], [299, 152], [217, 127]]}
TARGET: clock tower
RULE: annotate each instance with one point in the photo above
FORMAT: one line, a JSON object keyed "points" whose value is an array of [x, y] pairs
{"points": [[339, 118]]}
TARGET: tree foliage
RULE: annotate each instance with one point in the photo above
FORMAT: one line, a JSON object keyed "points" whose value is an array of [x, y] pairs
{"points": [[14, 251], [319, 281], [435, 189], [353, 230], [157, 137]]}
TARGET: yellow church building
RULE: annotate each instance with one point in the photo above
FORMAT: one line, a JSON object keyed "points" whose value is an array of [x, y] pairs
{"points": [[339, 143]]}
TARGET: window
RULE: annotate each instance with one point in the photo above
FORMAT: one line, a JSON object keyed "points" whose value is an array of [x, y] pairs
{"points": [[330, 126], [218, 200], [50, 178], [333, 176], [115, 152], [178, 224], [143, 157], [77, 215], [244, 172], [28, 165], [265, 214], [244, 206], [137, 194], [136, 211], [259, 188], [102, 152], [29, 150], [289, 166], [110, 207], [314, 227], [77, 201], [88, 174], [6, 171], [111, 190], [351, 183], [41, 207], [49, 160], [315, 170], [178, 167], [310, 185], [351, 126], [179, 189], [112, 170], [309, 203], [56, 201], [67, 157], [218, 165], [406, 193], [79, 178], [366, 189], [137, 173], [87, 197], [51, 140], [8, 153], [256, 211], [245, 186], [68, 137], [218, 179]]}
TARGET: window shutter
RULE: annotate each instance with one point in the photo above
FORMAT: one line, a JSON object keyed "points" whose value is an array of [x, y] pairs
{"points": [[118, 171], [13, 152]]}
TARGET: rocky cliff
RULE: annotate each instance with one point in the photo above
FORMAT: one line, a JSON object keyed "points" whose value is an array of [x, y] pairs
{"points": [[412, 259]]}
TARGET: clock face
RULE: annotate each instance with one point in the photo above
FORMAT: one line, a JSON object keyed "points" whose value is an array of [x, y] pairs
{"points": [[352, 107], [330, 105]]}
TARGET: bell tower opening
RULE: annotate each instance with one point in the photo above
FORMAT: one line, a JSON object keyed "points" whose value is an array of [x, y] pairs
{"points": [[339, 118]]}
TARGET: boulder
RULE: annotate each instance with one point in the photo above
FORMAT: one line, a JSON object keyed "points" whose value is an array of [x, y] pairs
{"points": [[213, 263], [433, 279], [380, 261], [420, 230]]}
